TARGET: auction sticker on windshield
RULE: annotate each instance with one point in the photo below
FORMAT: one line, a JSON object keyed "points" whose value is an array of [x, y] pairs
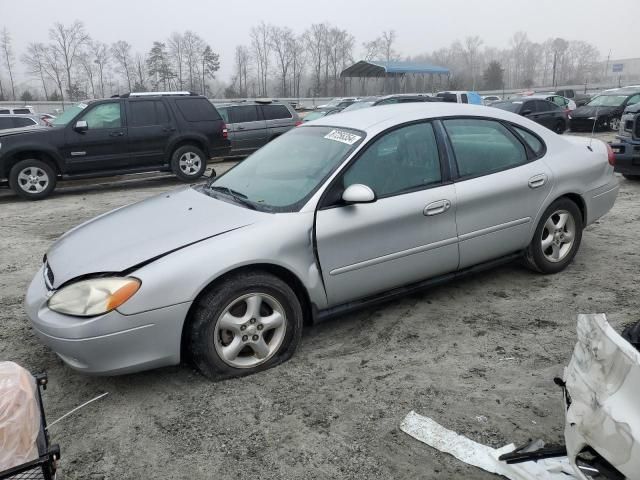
{"points": [[342, 136]]}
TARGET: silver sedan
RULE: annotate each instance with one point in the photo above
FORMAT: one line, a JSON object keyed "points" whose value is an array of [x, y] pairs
{"points": [[336, 214]]}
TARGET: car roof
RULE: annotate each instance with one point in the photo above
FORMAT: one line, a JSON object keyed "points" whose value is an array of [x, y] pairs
{"points": [[20, 115], [621, 91], [374, 120]]}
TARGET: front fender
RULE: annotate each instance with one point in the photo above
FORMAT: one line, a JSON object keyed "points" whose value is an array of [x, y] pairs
{"points": [[9, 152]]}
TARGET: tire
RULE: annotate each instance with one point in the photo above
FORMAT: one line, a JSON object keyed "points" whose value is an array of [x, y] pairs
{"points": [[32, 179], [559, 128], [614, 124], [188, 163], [230, 326], [631, 177], [541, 251]]}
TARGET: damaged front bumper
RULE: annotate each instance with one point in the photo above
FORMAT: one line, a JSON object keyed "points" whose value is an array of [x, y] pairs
{"points": [[602, 389]]}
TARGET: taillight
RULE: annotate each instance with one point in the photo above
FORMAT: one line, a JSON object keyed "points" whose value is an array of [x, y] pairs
{"points": [[225, 132], [611, 156]]}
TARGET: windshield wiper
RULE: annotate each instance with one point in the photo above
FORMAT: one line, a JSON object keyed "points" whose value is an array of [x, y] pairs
{"points": [[237, 196]]}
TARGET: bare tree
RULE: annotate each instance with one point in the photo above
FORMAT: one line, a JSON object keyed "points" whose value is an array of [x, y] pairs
{"points": [[54, 67], [140, 73], [34, 60], [67, 43], [260, 36], [176, 53], [100, 53], [121, 52], [315, 41], [386, 44], [298, 59], [8, 57], [193, 48], [282, 42], [87, 65], [242, 58], [471, 51]]}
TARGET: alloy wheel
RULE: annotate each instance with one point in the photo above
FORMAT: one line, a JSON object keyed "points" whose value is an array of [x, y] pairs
{"points": [[190, 163], [250, 330], [33, 179], [558, 235]]}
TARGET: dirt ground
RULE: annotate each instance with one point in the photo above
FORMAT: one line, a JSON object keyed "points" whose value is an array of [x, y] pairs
{"points": [[479, 356]]}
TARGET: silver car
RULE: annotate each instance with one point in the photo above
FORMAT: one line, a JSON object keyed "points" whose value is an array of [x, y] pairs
{"points": [[346, 210]]}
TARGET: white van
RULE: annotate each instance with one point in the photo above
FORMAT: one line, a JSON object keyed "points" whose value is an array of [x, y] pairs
{"points": [[24, 110]]}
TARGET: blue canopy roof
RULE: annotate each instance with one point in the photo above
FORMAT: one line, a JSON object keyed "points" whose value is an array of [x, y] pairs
{"points": [[379, 68]]}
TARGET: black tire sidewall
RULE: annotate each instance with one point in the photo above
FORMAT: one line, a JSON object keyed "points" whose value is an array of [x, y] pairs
{"points": [[560, 128], [534, 253], [175, 159], [207, 312], [21, 165]]}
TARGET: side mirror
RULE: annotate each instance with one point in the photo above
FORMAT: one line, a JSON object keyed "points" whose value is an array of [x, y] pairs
{"points": [[358, 193], [525, 113], [81, 126]]}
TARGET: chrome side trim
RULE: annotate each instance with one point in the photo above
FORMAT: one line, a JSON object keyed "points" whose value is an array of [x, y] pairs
{"points": [[393, 256], [495, 228]]}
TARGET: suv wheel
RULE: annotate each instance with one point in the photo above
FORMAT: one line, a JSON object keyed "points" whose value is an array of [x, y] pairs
{"points": [[556, 239], [188, 163], [248, 323], [614, 124], [32, 179]]}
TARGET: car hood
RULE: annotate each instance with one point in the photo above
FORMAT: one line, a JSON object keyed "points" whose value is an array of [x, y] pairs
{"points": [[586, 111], [134, 234], [34, 130]]}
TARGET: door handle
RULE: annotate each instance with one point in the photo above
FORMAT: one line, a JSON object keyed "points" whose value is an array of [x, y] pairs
{"points": [[116, 134], [169, 129], [436, 208], [537, 180]]}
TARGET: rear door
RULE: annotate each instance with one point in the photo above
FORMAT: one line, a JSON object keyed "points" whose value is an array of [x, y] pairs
{"points": [[150, 131], [547, 113], [248, 126], [104, 146], [500, 187], [278, 119]]}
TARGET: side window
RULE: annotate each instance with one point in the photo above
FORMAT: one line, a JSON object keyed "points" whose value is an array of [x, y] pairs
{"points": [[402, 160], [143, 113], [4, 111], [197, 109], [633, 100], [483, 146], [106, 115], [244, 113], [464, 98], [23, 122], [6, 122], [534, 143], [275, 112], [22, 111]]}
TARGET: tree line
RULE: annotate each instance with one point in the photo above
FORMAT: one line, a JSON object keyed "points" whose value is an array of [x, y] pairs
{"points": [[276, 61]]}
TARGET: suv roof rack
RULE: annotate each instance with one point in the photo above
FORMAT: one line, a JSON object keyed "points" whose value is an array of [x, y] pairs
{"points": [[156, 94]]}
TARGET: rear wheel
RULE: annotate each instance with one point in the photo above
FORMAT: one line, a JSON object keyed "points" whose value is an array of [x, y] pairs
{"points": [[557, 237], [248, 323], [32, 179], [188, 163]]}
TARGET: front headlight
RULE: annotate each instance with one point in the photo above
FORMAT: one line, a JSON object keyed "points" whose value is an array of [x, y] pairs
{"points": [[95, 296]]}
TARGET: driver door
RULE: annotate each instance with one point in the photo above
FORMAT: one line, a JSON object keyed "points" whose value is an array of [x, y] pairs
{"points": [[103, 146], [408, 234]]}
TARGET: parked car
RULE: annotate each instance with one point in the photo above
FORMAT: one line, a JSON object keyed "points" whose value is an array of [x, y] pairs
{"points": [[341, 102], [20, 121], [460, 96], [137, 132], [627, 146], [331, 216], [537, 109], [566, 104], [390, 100], [24, 110], [488, 99], [579, 98], [253, 124], [321, 112], [604, 111]]}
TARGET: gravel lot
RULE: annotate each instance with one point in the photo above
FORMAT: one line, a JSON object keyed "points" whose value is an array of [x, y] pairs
{"points": [[487, 346]]}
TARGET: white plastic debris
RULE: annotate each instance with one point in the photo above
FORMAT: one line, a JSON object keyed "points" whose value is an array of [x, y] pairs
{"points": [[19, 416], [435, 435]]}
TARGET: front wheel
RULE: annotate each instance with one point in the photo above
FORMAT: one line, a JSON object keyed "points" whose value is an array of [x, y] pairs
{"points": [[614, 124], [557, 237], [32, 179], [188, 163], [248, 323]]}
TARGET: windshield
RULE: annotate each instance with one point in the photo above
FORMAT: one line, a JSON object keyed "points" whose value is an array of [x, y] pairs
{"points": [[285, 172], [607, 101], [358, 106], [313, 115], [68, 114], [508, 106]]}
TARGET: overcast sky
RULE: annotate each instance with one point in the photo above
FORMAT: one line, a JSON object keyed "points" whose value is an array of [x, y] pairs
{"points": [[421, 26]]}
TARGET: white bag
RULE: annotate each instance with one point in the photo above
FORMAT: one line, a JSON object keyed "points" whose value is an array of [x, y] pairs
{"points": [[19, 416]]}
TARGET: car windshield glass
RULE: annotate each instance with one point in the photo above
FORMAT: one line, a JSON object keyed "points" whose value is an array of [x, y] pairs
{"points": [[508, 106], [313, 115], [283, 174], [358, 106], [68, 114], [607, 101]]}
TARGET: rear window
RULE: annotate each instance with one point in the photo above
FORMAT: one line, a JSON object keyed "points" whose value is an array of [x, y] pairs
{"points": [[197, 109], [23, 122], [21, 111], [530, 139], [275, 112]]}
